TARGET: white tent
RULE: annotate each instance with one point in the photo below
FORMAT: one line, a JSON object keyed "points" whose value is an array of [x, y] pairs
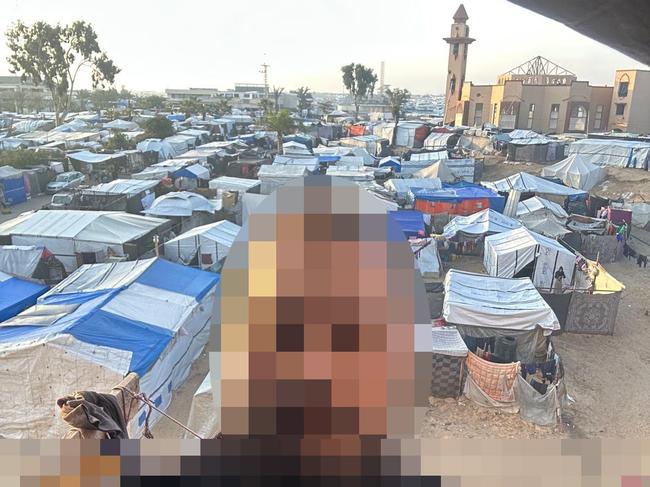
{"points": [[181, 203], [310, 162], [249, 203], [493, 302], [543, 216], [128, 187], [404, 188], [164, 149], [295, 148], [204, 412], [613, 152], [67, 233], [576, 171], [536, 204], [527, 183], [507, 254], [352, 173], [438, 170], [272, 176], [210, 243], [227, 183], [151, 317], [122, 125], [479, 224], [427, 259]]}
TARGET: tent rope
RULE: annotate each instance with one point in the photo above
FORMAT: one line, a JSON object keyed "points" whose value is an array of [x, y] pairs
{"points": [[151, 406]]}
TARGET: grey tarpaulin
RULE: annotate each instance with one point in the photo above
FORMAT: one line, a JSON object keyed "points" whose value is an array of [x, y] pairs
{"points": [[528, 342]]}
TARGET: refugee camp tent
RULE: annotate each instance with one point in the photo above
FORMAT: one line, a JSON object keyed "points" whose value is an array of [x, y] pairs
{"points": [[75, 236], [372, 143], [613, 152], [483, 301], [295, 148], [403, 188], [521, 252], [122, 125], [132, 195], [427, 258], [13, 185], [164, 149], [527, 183], [271, 177], [242, 185], [352, 173], [449, 352], [249, 202], [181, 203], [458, 199], [32, 263], [543, 216], [204, 247], [151, 317], [195, 171], [480, 224], [391, 161], [90, 158], [410, 221], [17, 294], [441, 140], [576, 171], [311, 163]]}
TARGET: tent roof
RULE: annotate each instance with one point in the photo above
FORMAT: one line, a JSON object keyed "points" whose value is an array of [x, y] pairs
{"points": [[410, 221], [536, 203], [522, 238], [20, 260], [8, 172], [281, 171], [181, 203], [128, 187], [92, 158], [229, 183], [494, 302], [576, 171], [527, 183], [119, 124], [132, 306], [195, 171], [17, 294], [481, 223], [456, 193], [223, 232], [94, 226]]}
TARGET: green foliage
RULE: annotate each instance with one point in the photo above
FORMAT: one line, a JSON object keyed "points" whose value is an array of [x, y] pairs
{"points": [[118, 142], [104, 99], [360, 82], [277, 92], [158, 127], [191, 106], [152, 102], [222, 107], [326, 107], [21, 158], [305, 99], [282, 123], [53, 55], [397, 98], [267, 106]]}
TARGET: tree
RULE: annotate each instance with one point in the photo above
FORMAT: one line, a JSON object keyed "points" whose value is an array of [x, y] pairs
{"points": [[53, 55], [277, 92], [104, 99], [119, 142], [192, 105], [305, 99], [326, 107], [82, 97], [266, 106], [396, 98], [282, 123], [152, 102], [158, 127], [34, 101], [222, 107], [360, 83]]}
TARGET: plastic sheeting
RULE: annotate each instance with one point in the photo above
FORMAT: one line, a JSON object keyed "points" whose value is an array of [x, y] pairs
{"points": [[228, 183], [312, 163], [613, 152], [403, 188], [271, 176], [129, 187], [20, 261], [576, 171], [536, 204], [482, 223], [506, 254], [427, 258], [527, 183], [478, 300], [204, 416], [180, 203], [92, 158], [16, 295], [154, 323], [411, 222], [210, 242], [119, 124], [195, 171]]}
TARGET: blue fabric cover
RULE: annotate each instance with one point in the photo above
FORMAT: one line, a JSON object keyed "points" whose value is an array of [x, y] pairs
{"points": [[14, 190], [17, 295], [458, 192], [411, 222], [186, 280]]}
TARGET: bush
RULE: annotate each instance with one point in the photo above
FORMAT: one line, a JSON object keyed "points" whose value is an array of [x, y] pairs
{"points": [[158, 127], [119, 142], [21, 158]]}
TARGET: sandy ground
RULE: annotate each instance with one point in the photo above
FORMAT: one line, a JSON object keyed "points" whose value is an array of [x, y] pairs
{"points": [[34, 203]]}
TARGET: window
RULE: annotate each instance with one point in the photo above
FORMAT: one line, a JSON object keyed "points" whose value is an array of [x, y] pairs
{"points": [[620, 109], [478, 115], [452, 85], [598, 119], [455, 50], [494, 113], [578, 119], [555, 115], [622, 88], [531, 115]]}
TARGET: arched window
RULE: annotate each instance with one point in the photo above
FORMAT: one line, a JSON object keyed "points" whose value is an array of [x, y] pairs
{"points": [[452, 85], [623, 86]]}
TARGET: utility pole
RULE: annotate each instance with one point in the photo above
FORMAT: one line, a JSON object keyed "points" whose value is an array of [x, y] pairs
{"points": [[265, 72]]}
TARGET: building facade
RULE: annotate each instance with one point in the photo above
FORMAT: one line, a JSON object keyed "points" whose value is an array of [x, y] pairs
{"points": [[539, 95]]}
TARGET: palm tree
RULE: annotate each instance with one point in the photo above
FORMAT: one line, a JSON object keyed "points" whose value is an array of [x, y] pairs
{"points": [[222, 107], [276, 96], [396, 98], [305, 99], [266, 105], [282, 123]]}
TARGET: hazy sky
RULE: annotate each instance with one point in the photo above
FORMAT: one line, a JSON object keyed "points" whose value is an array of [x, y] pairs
{"points": [[162, 44]]}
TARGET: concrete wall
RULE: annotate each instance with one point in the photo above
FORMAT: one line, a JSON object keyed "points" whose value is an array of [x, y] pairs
{"points": [[636, 118]]}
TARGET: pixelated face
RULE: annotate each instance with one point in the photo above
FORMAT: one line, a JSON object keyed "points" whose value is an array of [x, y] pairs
{"points": [[325, 328]]}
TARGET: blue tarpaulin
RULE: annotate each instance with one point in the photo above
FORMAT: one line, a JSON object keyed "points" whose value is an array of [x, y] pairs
{"points": [[176, 117], [326, 158], [13, 185], [411, 222], [186, 280], [16, 295], [458, 192]]}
